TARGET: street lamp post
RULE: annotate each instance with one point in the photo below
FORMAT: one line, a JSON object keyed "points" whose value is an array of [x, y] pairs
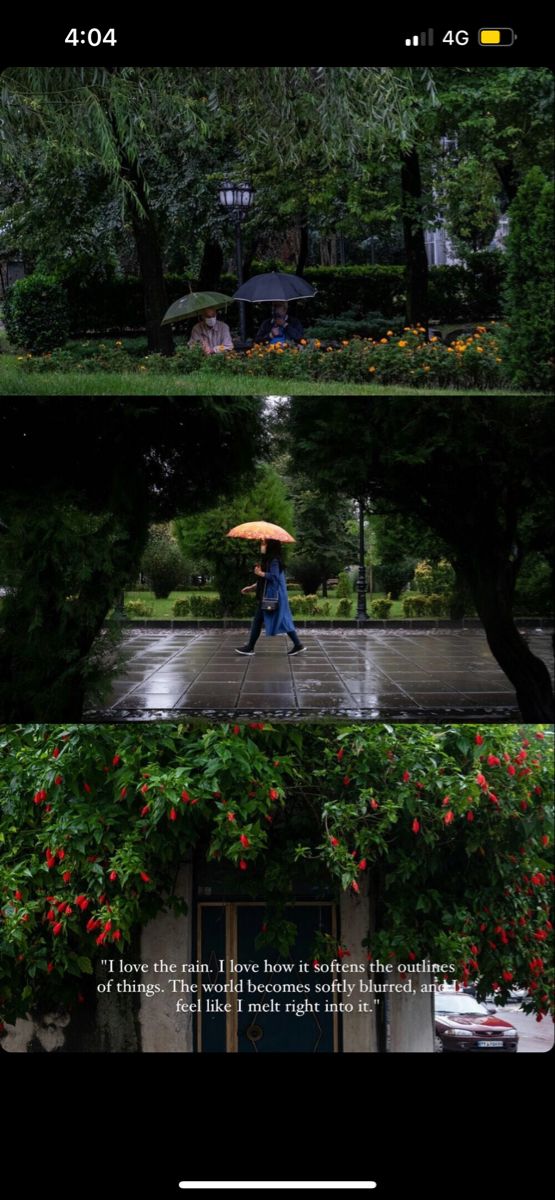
{"points": [[237, 199], [362, 614]]}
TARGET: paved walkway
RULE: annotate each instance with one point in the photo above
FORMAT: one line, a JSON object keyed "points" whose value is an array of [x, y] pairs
{"points": [[359, 674]]}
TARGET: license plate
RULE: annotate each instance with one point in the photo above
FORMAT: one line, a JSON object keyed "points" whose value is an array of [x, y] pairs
{"points": [[486, 1045]]}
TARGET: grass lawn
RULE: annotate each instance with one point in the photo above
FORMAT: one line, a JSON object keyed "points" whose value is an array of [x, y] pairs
{"points": [[17, 382], [162, 610]]}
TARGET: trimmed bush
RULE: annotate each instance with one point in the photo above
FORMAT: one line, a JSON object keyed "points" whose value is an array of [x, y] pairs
{"points": [[348, 325], [344, 589], [182, 608], [529, 301], [344, 608], [433, 577], [162, 562], [137, 608], [36, 314], [380, 608], [420, 605], [205, 607], [302, 606]]}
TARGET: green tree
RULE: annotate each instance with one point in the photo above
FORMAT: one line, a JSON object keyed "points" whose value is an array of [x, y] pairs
{"points": [[232, 560], [82, 485], [452, 825], [478, 476], [324, 544]]}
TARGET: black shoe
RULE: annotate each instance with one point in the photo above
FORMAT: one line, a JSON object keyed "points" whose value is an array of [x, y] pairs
{"points": [[244, 650], [297, 650]]}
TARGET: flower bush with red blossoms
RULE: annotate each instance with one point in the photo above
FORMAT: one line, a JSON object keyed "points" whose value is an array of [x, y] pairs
{"points": [[84, 870]]}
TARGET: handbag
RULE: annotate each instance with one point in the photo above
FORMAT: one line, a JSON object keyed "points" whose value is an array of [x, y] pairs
{"points": [[268, 604]]}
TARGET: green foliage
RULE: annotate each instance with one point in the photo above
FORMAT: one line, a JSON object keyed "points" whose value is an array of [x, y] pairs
{"points": [[182, 608], [470, 292], [534, 588], [452, 822], [162, 561], [434, 576], [529, 300], [204, 607], [380, 608], [232, 560], [429, 604], [306, 606], [36, 314], [348, 325], [137, 608], [344, 589], [344, 608]]}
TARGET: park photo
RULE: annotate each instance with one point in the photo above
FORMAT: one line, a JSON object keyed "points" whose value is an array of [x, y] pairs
{"points": [[264, 889], [294, 558], [280, 230]]}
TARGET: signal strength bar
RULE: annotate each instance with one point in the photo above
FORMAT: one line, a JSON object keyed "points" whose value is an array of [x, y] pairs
{"points": [[421, 39]]}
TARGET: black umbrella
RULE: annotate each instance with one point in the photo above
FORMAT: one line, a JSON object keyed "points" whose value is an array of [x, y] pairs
{"points": [[276, 285]]}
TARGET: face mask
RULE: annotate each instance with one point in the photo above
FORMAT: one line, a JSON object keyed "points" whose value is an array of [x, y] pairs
{"points": [[210, 321]]}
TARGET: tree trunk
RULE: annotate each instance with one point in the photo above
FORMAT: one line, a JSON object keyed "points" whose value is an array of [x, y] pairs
{"points": [[211, 267], [527, 673], [415, 246], [325, 587], [159, 337], [303, 246]]}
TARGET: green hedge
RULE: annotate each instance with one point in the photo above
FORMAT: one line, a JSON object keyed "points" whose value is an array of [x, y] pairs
{"points": [[357, 294], [36, 314], [380, 608], [137, 608], [433, 605]]}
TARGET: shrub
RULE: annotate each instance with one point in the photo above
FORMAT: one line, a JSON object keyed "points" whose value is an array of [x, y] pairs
{"points": [[529, 301], [137, 608], [344, 608], [469, 292], [182, 608], [205, 607], [380, 608], [431, 605], [324, 608], [304, 605], [36, 314], [162, 562], [433, 577], [344, 589], [348, 325]]}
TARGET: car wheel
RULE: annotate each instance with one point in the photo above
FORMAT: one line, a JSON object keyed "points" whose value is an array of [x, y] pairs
{"points": [[438, 1045]]}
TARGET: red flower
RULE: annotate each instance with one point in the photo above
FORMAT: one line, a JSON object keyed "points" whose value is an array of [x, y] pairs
{"points": [[355, 886], [244, 841], [342, 952], [507, 976], [545, 839], [92, 924], [55, 752], [340, 754], [173, 814], [412, 955], [236, 729], [82, 902], [87, 788], [145, 810], [145, 878], [231, 816], [50, 967], [113, 876], [243, 865], [39, 797], [123, 792], [493, 760], [523, 805], [57, 928], [273, 794], [374, 804], [334, 841], [415, 825], [493, 798], [362, 864], [478, 739], [511, 770], [481, 780], [18, 895], [406, 776], [540, 935], [346, 781], [66, 876], [470, 815], [116, 935], [100, 939], [144, 788], [116, 760], [446, 800], [61, 854], [449, 817], [185, 797]]}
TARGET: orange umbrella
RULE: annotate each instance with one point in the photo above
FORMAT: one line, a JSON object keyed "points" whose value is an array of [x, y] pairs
{"points": [[260, 531]]}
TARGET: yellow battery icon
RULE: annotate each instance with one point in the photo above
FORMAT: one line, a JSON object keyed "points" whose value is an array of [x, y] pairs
{"points": [[496, 37]]}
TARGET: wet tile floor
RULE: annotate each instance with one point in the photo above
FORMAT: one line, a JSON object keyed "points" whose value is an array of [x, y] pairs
{"points": [[360, 674]]}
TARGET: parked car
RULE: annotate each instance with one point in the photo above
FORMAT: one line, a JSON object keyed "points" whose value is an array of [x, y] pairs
{"points": [[461, 1023]]}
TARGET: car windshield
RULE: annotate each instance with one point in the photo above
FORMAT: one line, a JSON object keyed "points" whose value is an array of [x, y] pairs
{"points": [[455, 1003]]}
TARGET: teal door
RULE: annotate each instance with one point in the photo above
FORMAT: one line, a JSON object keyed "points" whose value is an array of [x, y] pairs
{"points": [[266, 1020]]}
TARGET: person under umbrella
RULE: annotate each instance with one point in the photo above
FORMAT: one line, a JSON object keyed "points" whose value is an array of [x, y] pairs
{"points": [[270, 586], [280, 327], [213, 335]]}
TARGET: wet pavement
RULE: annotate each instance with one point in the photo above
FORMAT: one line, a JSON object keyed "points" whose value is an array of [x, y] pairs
{"points": [[356, 674]]}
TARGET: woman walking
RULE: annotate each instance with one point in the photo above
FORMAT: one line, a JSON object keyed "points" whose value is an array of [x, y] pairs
{"points": [[273, 611]]}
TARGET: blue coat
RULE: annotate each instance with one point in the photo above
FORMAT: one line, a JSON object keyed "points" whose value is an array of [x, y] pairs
{"points": [[281, 620]]}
